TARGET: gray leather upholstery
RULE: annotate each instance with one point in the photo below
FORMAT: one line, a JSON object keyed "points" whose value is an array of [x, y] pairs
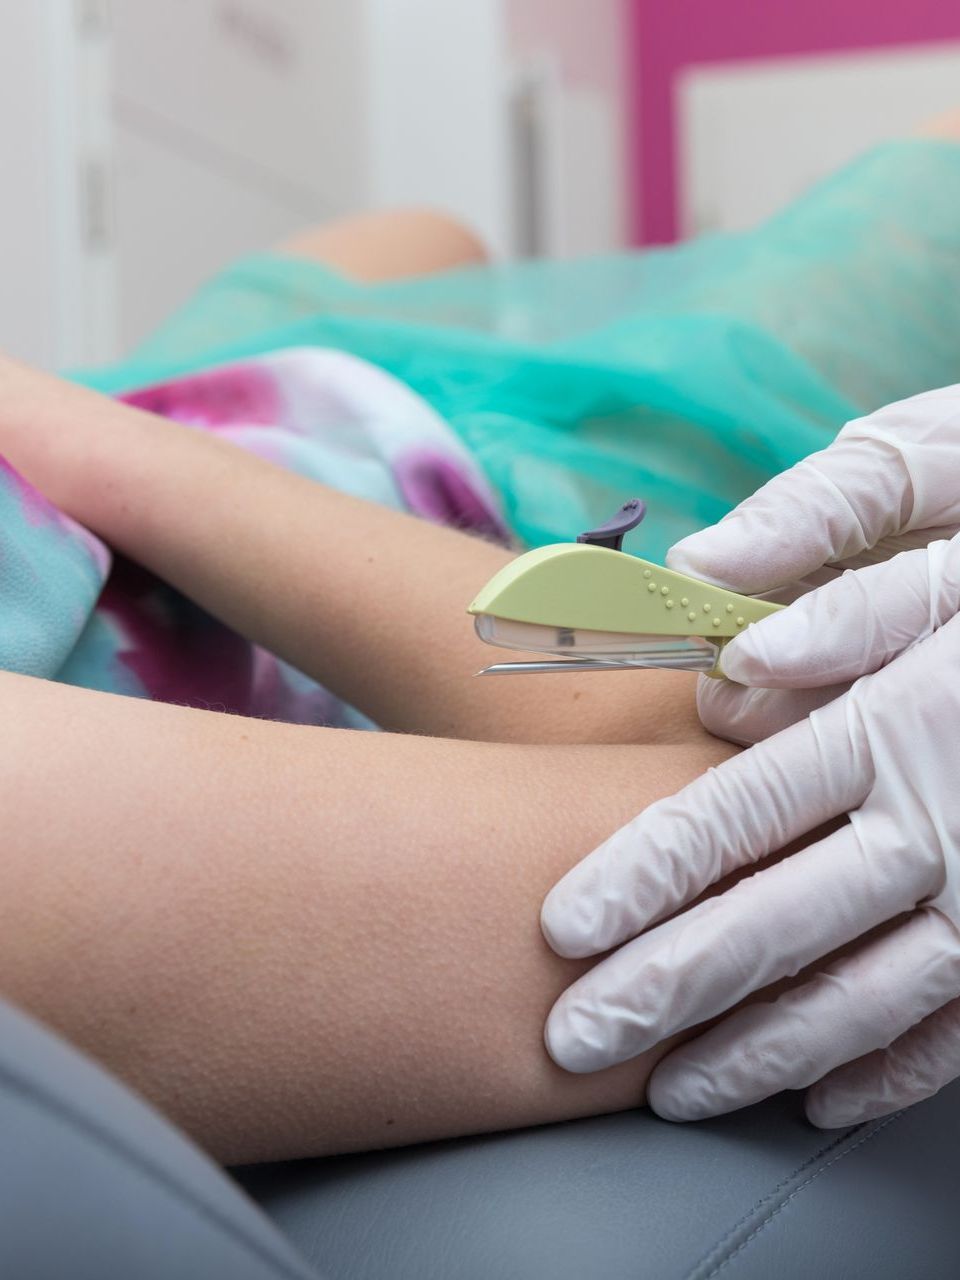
{"points": [[95, 1185], [759, 1195]]}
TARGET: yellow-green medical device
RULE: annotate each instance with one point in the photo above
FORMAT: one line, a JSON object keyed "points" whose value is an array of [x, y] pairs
{"points": [[599, 609]]}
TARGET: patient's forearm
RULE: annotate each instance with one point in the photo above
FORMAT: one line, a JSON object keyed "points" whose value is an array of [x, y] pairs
{"points": [[369, 601], [299, 940]]}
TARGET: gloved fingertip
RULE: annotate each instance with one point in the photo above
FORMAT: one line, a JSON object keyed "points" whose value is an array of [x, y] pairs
{"points": [[573, 1038], [745, 660], [681, 1089], [774, 652], [828, 1109], [567, 923], [667, 1103]]}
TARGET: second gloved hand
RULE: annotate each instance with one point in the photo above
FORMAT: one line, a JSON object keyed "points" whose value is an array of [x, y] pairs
{"points": [[886, 484], [872, 1030]]}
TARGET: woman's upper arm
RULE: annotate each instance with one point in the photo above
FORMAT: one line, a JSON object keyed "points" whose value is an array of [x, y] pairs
{"points": [[302, 940]]}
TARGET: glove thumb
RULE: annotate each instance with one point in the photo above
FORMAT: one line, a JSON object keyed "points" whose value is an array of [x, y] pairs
{"points": [[854, 625]]}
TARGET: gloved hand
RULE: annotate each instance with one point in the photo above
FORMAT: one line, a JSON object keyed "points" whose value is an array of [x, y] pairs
{"points": [[889, 482], [872, 1030]]}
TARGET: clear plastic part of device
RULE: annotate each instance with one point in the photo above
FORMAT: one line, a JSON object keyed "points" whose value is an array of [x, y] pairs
{"points": [[578, 649]]}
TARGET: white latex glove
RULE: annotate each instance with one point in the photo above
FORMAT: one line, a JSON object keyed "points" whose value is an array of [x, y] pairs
{"points": [[889, 482], [873, 1030]]}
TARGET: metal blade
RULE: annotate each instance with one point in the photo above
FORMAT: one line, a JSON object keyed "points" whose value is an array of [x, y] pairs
{"points": [[688, 653], [675, 662]]}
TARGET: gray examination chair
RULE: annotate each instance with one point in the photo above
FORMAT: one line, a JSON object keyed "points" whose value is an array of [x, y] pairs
{"points": [[95, 1185]]}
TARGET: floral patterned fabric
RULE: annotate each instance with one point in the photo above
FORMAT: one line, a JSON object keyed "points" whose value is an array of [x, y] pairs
{"points": [[76, 613]]}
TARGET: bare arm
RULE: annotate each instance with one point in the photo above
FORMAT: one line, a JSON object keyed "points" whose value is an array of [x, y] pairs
{"points": [[300, 940], [370, 602]]}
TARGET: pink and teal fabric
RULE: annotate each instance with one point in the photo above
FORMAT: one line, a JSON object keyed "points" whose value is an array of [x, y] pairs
{"points": [[545, 391], [74, 612], [689, 375]]}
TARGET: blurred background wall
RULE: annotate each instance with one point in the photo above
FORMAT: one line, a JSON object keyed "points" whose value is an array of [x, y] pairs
{"points": [[145, 143]]}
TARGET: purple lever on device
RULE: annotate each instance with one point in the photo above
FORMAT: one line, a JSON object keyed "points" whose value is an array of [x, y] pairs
{"points": [[611, 534]]}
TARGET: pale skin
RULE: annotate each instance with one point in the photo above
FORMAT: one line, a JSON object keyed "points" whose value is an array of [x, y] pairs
{"points": [[298, 940]]}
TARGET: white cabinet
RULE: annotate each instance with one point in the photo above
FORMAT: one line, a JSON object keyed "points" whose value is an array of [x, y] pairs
{"points": [[236, 123], [567, 130], [146, 143], [57, 260], [240, 121], [753, 135]]}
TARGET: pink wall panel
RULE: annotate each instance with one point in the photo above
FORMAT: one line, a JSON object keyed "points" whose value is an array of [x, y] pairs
{"points": [[664, 36]]}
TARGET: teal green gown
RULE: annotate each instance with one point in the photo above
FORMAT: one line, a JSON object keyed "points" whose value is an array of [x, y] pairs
{"points": [[686, 376]]}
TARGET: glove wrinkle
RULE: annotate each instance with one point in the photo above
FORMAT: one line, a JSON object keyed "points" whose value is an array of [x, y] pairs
{"points": [[805, 1035], [851, 697], [881, 753], [886, 476]]}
